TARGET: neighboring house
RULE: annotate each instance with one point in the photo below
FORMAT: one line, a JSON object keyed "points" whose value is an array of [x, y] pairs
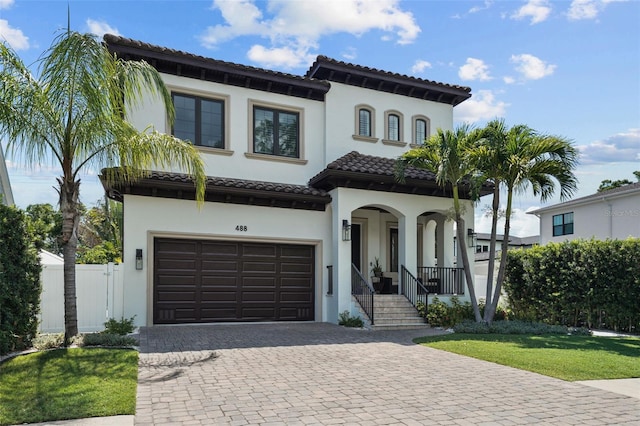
{"points": [[613, 214], [301, 186], [6, 196]]}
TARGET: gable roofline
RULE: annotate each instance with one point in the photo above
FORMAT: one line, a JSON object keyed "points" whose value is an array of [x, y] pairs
{"points": [[621, 191], [325, 68], [180, 63]]}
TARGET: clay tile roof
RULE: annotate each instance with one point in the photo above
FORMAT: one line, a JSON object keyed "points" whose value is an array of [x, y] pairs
{"points": [[182, 63], [380, 166], [326, 68]]}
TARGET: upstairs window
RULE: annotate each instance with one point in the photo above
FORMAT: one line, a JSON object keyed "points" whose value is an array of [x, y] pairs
{"points": [[421, 125], [364, 122], [199, 120], [563, 224], [393, 127], [276, 132]]}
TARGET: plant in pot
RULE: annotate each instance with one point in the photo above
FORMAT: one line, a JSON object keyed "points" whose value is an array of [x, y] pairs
{"points": [[376, 268]]}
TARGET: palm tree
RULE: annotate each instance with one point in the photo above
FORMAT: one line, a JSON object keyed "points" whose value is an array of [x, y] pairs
{"points": [[447, 155], [74, 115], [513, 159]]}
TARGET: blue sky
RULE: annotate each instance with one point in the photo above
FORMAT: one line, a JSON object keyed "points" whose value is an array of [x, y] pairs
{"points": [[568, 68]]}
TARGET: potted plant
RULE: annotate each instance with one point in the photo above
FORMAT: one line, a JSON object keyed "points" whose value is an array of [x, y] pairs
{"points": [[376, 269]]}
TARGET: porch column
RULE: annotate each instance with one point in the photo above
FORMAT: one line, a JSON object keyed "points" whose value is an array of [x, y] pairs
{"points": [[429, 243], [341, 252], [447, 235], [408, 243]]}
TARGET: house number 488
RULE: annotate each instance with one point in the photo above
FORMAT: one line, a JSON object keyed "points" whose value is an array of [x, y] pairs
{"points": [[241, 228]]}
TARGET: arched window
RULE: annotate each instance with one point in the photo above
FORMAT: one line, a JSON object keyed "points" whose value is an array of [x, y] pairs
{"points": [[421, 129], [364, 122], [393, 127]]}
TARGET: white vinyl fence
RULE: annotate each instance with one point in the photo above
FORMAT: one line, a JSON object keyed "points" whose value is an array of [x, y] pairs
{"points": [[99, 296]]}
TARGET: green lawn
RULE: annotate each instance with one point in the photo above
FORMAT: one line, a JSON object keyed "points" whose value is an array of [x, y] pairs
{"points": [[564, 357], [68, 384]]}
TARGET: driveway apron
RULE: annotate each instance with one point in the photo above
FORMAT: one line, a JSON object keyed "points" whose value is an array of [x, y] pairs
{"points": [[323, 374]]}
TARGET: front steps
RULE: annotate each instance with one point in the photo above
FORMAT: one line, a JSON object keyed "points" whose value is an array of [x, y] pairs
{"points": [[395, 312]]}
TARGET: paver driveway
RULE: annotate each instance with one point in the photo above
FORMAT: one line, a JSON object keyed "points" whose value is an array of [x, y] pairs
{"points": [[322, 374]]}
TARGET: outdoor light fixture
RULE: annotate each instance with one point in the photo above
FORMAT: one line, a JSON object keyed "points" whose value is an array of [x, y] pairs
{"points": [[472, 238], [346, 230], [138, 259]]}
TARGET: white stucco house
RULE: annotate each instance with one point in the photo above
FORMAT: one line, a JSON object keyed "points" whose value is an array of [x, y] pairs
{"points": [[6, 196], [612, 214], [300, 187]]}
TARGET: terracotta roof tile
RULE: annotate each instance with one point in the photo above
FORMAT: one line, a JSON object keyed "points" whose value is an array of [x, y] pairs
{"points": [[381, 166]]}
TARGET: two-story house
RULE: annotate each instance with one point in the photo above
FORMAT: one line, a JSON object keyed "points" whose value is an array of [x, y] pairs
{"points": [[611, 214], [300, 193]]}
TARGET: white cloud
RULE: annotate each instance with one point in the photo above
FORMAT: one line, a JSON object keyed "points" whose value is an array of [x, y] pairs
{"points": [[279, 57], [482, 106], [474, 69], [15, 37], [508, 79], [297, 26], [350, 53], [621, 147], [420, 66], [531, 67], [587, 9], [6, 4], [487, 5], [537, 10], [101, 28]]}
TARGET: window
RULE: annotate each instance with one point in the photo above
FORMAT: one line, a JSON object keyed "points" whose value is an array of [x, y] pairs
{"points": [[393, 249], [276, 132], [421, 125], [563, 224], [393, 127], [364, 122], [199, 120]]}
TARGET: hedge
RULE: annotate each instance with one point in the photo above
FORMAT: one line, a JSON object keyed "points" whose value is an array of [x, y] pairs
{"points": [[589, 283], [19, 282]]}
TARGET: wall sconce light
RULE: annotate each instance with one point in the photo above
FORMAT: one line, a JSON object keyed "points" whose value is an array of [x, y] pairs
{"points": [[346, 230], [472, 238], [139, 259]]}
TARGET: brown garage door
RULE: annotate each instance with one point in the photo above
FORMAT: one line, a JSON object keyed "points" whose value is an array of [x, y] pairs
{"points": [[208, 281]]}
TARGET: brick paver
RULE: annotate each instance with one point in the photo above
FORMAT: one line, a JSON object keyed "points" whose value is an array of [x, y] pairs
{"points": [[322, 374]]}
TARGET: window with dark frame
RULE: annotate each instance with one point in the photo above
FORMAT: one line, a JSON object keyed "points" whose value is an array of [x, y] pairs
{"points": [[199, 120], [276, 132], [393, 249], [364, 122], [421, 132], [393, 127], [563, 224]]}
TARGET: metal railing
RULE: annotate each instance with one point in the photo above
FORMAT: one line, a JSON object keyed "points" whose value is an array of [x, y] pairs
{"points": [[330, 279], [442, 280], [362, 291], [413, 289]]}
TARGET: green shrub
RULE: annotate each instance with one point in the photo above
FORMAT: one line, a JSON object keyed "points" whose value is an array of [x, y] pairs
{"points": [[347, 320], [105, 339], [48, 341], [438, 313], [122, 327], [516, 327], [19, 282], [588, 283]]}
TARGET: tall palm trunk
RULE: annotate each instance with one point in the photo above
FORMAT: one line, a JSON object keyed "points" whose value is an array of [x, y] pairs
{"points": [[503, 258], [488, 316], [69, 192], [462, 246]]}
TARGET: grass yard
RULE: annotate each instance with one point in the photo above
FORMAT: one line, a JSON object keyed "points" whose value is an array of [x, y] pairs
{"points": [[68, 384], [564, 357]]}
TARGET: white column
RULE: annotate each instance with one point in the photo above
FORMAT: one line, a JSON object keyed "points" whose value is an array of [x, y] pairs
{"points": [[447, 243], [429, 243], [341, 253]]}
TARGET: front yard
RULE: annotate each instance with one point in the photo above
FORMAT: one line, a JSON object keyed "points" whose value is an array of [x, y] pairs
{"points": [[562, 356], [68, 384]]}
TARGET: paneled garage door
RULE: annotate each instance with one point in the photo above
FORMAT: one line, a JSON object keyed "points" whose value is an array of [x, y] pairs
{"points": [[213, 281]]}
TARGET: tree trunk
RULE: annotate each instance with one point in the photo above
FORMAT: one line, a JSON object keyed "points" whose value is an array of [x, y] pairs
{"points": [[492, 248], [462, 247], [69, 193], [503, 258]]}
